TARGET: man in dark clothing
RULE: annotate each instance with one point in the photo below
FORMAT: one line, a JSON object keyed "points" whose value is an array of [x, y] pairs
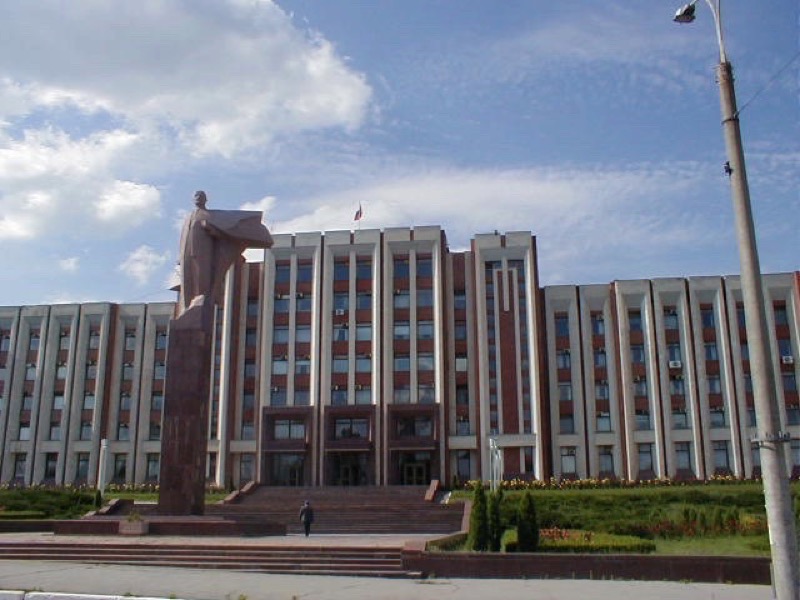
{"points": [[306, 516]]}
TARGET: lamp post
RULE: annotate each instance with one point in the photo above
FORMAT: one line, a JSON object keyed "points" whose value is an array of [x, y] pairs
{"points": [[771, 441]]}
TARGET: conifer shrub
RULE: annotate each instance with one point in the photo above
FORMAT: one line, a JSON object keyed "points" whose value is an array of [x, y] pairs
{"points": [[478, 523], [496, 527], [527, 525]]}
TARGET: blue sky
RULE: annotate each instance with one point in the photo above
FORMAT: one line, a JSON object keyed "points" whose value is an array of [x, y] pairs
{"points": [[595, 125]]}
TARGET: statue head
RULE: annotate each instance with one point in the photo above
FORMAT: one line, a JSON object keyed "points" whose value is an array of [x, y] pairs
{"points": [[200, 199]]}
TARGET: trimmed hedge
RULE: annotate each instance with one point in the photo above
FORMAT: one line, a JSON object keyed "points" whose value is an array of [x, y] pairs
{"points": [[583, 542]]}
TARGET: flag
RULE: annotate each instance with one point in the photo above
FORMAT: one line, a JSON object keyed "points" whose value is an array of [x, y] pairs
{"points": [[359, 213]]}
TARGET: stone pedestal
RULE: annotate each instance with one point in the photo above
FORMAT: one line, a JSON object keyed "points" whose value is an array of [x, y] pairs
{"points": [[185, 421]]}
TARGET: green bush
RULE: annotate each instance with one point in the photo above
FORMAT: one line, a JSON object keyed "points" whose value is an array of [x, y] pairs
{"points": [[527, 525], [478, 523], [496, 527], [49, 503]]}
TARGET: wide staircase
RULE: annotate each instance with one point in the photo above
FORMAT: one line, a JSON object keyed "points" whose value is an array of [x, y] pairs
{"points": [[348, 510], [306, 560]]}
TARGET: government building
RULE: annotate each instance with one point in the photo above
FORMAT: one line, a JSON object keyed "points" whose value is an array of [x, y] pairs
{"points": [[380, 357]]}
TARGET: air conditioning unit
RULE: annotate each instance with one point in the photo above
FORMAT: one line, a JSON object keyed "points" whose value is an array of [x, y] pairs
{"points": [[787, 360], [674, 364], [339, 312]]}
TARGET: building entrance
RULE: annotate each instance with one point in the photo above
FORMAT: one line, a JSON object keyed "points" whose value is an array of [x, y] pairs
{"points": [[349, 468], [288, 469], [415, 468]]}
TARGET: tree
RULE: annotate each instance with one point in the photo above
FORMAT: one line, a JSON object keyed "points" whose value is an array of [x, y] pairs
{"points": [[527, 524], [495, 520], [478, 524]]}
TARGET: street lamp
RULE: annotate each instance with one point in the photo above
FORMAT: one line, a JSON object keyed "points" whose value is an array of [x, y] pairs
{"points": [[770, 441]]}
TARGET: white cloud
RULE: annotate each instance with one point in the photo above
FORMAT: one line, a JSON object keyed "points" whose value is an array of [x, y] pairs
{"points": [[124, 201], [142, 263], [70, 264]]}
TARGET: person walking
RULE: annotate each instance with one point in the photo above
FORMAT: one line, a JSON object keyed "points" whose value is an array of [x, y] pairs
{"points": [[306, 516]]}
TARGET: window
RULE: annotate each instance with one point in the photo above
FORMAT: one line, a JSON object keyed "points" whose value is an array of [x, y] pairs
{"points": [[707, 318], [341, 270], [30, 373], [643, 422], [127, 372], [302, 334], [282, 273], [341, 364], [711, 351], [793, 415], [670, 319], [289, 429], [160, 371], [153, 466], [123, 432], [88, 402], [86, 430], [600, 358], [565, 392], [566, 424], [302, 397], [601, 390], [674, 352], [598, 324], [280, 365], [462, 425], [402, 394], [789, 382], [462, 395], [751, 416], [718, 417], [304, 303], [281, 305], [248, 431], [247, 470], [562, 325], [676, 387], [402, 299], [424, 298], [157, 401], [24, 431], [130, 340], [161, 340], [251, 337], [461, 364], [460, 300], [277, 396], [563, 359], [569, 463], [417, 426], [5, 343], [63, 340], [363, 333], [402, 362], [400, 268], [635, 320], [82, 466], [425, 330], [339, 396], [363, 394], [603, 421], [91, 371], [744, 350], [740, 316], [154, 432], [683, 456], [424, 268], [55, 432], [120, 467], [302, 366], [50, 463], [341, 333], [645, 455], [27, 401], [781, 317], [363, 364], [363, 301], [426, 394], [363, 269], [680, 418], [460, 331], [280, 335], [94, 340], [402, 330], [61, 371], [20, 465], [606, 456], [304, 272], [714, 385], [637, 354], [785, 347], [341, 302], [721, 458], [640, 387], [350, 428], [425, 362], [58, 402]]}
